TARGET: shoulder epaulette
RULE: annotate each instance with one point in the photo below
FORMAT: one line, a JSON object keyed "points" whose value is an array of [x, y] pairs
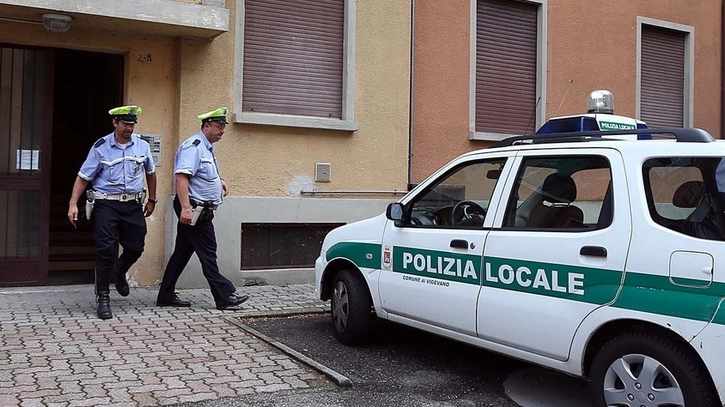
{"points": [[99, 143], [196, 142]]}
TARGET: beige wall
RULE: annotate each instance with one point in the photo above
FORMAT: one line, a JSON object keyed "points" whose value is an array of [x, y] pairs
{"points": [[261, 160], [272, 165], [591, 45], [268, 164]]}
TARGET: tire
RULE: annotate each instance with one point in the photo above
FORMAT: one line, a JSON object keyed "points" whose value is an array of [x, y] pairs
{"points": [[645, 369], [351, 308]]}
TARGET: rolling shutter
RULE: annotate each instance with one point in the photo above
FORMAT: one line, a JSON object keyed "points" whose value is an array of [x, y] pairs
{"points": [[293, 57], [506, 39], [662, 92]]}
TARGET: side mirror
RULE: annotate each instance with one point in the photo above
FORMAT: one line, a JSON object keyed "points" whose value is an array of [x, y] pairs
{"points": [[493, 174], [395, 211]]}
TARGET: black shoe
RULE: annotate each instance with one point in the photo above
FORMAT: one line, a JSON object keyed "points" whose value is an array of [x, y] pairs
{"points": [[175, 302], [232, 302], [103, 307], [119, 280]]}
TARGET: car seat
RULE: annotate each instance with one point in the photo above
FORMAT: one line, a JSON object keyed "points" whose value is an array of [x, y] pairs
{"points": [[704, 221], [554, 209]]}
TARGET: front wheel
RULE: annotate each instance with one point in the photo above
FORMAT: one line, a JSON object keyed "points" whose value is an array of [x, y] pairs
{"points": [[647, 370], [351, 308]]}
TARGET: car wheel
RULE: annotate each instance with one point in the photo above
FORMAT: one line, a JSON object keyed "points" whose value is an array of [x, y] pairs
{"points": [[351, 308], [644, 369]]}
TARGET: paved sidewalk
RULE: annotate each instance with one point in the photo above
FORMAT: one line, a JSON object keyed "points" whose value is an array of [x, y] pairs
{"points": [[55, 352]]}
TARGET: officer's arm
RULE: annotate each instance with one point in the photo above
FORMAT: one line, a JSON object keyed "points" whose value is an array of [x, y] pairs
{"points": [[151, 184], [182, 190], [78, 187], [150, 205]]}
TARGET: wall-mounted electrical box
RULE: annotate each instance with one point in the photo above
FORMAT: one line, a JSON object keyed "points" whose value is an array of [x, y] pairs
{"points": [[154, 141], [322, 172]]}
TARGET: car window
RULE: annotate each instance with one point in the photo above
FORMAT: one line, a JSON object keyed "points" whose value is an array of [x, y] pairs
{"points": [[459, 199], [572, 193], [685, 194]]}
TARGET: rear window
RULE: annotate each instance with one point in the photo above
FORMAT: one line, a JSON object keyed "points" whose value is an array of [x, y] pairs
{"points": [[686, 194]]}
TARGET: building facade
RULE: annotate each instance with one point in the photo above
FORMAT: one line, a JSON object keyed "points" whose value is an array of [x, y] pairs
{"points": [[320, 95], [487, 69]]}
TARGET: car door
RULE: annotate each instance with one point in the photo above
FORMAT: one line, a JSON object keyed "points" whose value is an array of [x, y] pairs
{"points": [[557, 250], [431, 269]]}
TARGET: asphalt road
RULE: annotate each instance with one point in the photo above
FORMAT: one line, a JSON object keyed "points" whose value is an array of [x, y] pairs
{"points": [[404, 367]]}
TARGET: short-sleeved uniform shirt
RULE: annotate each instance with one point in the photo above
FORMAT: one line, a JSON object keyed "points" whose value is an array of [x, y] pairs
{"points": [[115, 168], [196, 158]]}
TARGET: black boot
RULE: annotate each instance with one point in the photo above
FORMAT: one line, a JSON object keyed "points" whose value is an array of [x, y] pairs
{"points": [[119, 277], [103, 300]]}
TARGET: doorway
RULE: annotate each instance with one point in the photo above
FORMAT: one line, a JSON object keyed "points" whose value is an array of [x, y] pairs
{"points": [[87, 85], [56, 101]]}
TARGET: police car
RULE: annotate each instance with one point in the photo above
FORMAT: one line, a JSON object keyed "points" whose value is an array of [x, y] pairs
{"points": [[597, 253]]}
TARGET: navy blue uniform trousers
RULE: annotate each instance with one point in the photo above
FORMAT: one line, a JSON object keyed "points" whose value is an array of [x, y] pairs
{"points": [[199, 239], [116, 222]]}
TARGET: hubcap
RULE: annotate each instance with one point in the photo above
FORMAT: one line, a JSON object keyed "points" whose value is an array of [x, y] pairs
{"points": [[340, 307], [641, 381]]}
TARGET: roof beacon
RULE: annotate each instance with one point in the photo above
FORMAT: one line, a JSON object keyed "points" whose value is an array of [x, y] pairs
{"points": [[599, 117], [601, 101]]}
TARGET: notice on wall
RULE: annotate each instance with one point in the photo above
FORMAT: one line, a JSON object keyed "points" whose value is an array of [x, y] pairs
{"points": [[27, 160]]}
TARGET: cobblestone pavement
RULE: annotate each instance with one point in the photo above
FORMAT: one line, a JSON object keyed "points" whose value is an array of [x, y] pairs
{"points": [[55, 352]]}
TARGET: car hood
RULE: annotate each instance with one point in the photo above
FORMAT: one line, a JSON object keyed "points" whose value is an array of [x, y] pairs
{"points": [[367, 231]]}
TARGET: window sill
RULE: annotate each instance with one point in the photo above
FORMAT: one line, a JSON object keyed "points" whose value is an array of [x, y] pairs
{"points": [[485, 136], [295, 121]]}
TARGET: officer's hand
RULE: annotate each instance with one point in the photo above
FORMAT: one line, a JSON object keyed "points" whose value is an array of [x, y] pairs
{"points": [[73, 214], [185, 217], [149, 209], [225, 188]]}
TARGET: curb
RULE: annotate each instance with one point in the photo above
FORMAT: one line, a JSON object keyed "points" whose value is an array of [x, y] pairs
{"points": [[337, 378]]}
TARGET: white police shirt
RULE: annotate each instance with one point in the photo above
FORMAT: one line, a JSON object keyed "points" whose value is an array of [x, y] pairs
{"points": [[195, 158], [115, 168]]}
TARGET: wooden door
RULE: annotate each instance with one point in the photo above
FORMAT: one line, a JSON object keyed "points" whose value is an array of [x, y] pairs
{"points": [[26, 97]]}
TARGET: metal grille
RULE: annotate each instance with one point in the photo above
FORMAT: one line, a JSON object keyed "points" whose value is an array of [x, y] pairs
{"points": [[506, 58], [282, 245], [662, 77], [293, 57]]}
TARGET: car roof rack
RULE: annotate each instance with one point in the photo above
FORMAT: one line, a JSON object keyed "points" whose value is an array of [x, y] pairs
{"points": [[681, 134]]}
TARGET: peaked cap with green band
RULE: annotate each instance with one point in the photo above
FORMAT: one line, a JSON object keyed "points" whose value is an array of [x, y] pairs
{"points": [[219, 115], [126, 114]]}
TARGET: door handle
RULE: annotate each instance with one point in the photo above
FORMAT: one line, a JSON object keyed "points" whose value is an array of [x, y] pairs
{"points": [[459, 243], [597, 251]]}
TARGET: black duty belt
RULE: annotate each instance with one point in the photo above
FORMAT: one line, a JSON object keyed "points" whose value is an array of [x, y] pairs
{"points": [[204, 204]]}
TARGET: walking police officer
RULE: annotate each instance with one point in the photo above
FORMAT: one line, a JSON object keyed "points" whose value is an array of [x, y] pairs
{"points": [[115, 166], [199, 191]]}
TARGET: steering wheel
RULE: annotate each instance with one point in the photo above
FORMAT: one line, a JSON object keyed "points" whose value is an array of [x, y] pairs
{"points": [[468, 210]]}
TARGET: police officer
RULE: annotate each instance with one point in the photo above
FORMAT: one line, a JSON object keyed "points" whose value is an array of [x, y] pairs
{"points": [[199, 191], [115, 166]]}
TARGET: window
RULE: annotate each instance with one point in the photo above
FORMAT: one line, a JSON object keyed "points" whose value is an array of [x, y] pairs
{"points": [[569, 193], [665, 69], [686, 194], [508, 58], [295, 63], [460, 199]]}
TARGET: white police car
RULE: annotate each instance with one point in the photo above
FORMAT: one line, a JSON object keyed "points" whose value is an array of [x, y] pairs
{"points": [[591, 253]]}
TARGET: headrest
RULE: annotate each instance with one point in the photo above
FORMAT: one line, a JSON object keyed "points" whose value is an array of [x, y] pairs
{"points": [[559, 188], [689, 194]]}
